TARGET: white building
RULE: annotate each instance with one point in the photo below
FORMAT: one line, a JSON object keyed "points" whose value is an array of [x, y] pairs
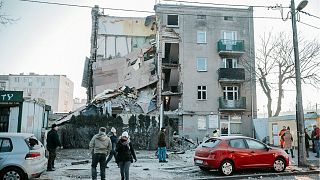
{"points": [[55, 90]]}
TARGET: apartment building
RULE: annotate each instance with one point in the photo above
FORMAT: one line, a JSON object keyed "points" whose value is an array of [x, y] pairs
{"points": [[55, 90], [206, 63]]}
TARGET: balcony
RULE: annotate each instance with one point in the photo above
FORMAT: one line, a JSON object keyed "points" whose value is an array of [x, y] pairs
{"points": [[232, 105], [231, 74], [231, 47]]}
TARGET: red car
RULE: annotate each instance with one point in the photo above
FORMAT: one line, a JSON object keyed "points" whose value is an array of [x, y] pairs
{"points": [[230, 153]]}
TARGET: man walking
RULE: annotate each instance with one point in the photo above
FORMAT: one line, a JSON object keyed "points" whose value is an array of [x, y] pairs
{"points": [[162, 147], [100, 146], [53, 142], [114, 141]]}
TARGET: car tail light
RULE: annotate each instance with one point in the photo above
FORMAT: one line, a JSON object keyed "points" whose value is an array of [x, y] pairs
{"points": [[33, 155]]}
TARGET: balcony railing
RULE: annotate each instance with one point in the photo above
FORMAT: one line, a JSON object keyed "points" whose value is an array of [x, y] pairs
{"points": [[231, 74], [226, 46], [232, 105]]}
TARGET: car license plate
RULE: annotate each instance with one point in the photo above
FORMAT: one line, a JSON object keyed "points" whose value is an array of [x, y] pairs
{"points": [[198, 161]]}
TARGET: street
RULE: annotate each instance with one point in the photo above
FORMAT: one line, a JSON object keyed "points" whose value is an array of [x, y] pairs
{"points": [[180, 166]]}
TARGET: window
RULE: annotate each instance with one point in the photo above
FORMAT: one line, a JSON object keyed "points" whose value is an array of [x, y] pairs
{"points": [[16, 79], [229, 39], [201, 64], [230, 63], [202, 123], [237, 143], [255, 144], [210, 143], [235, 128], [43, 83], [5, 145], [201, 17], [230, 92], [172, 20], [230, 125], [228, 18], [201, 37], [202, 92]]}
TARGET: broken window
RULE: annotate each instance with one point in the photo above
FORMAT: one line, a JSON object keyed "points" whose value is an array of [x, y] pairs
{"points": [[173, 20], [201, 64], [202, 92], [201, 37], [170, 103], [171, 54], [171, 79]]}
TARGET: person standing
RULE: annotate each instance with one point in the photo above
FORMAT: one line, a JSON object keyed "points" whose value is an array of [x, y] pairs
{"points": [[53, 142], [162, 146], [114, 141], [99, 146], [317, 140], [313, 135], [281, 133], [288, 139], [216, 133], [307, 138], [125, 155]]}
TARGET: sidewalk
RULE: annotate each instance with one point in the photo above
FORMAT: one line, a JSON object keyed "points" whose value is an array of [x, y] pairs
{"points": [[312, 159]]}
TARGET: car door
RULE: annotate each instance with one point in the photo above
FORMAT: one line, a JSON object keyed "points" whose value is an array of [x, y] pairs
{"points": [[5, 149], [239, 152], [261, 156]]}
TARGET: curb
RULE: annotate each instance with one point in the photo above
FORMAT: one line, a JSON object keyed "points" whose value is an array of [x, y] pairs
{"points": [[237, 177]]}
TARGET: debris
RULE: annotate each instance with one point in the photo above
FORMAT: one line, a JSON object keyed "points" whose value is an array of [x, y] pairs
{"points": [[146, 169], [80, 162]]}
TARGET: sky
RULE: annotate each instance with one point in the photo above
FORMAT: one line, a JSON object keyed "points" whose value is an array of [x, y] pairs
{"points": [[53, 39]]}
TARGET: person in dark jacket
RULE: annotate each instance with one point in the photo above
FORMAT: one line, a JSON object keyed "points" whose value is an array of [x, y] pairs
{"points": [[162, 146], [53, 142], [307, 138], [125, 155], [114, 141]]}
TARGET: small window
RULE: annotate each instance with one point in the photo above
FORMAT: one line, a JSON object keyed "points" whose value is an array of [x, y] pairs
{"points": [[235, 128], [201, 17], [228, 18], [237, 143], [255, 144], [201, 64], [201, 37], [5, 145], [16, 79], [210, 143], [173, 20], [202, 92]]}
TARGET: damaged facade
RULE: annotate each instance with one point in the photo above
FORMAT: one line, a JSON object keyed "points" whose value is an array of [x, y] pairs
{"points": [[181, 65], [203, 81]]}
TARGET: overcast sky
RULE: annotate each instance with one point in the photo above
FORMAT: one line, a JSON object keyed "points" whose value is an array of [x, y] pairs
{"points": [[52, 39]]}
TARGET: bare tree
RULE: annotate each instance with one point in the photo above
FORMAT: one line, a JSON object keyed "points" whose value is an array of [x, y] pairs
{"points": [[275, 65], [5, 19]]}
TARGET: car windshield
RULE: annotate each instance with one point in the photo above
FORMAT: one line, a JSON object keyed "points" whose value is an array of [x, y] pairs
{"points": [[210, 143]]}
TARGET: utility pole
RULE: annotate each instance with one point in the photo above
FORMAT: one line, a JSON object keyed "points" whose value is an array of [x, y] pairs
{"points": [[302, 160], [93, 50]]}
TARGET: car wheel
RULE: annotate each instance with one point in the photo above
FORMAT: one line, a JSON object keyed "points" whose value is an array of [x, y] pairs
{"points": [[204, 168], [226, 168], [12, 173], [279, 165]]}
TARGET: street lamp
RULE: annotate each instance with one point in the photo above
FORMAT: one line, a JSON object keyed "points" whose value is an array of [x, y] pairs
{"points": [[302, 160]]}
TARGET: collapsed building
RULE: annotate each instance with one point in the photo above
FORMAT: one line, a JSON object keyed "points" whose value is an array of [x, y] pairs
{"points": [[178, 64]]}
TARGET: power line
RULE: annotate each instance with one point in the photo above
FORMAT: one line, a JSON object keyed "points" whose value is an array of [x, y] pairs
{"points": [[236, 5], [309, 14], [139, 11], [55, 3], [309, 25]]}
